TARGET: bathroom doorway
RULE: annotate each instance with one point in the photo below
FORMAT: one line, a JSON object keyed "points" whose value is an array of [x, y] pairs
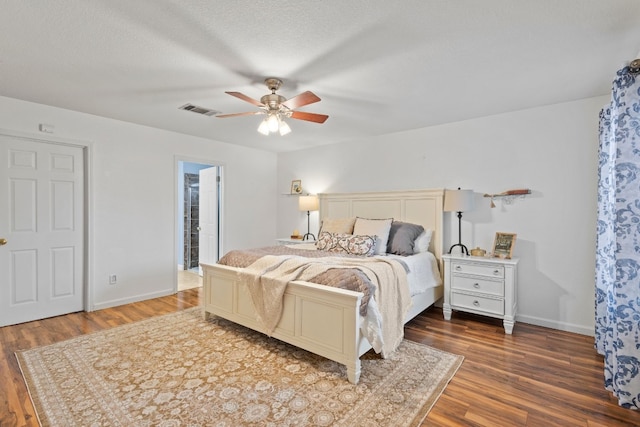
{"points": [[191, 225], [198, 219]]}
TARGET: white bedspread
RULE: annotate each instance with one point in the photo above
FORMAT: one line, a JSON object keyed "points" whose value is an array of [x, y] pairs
{"points": [[423, 271], [268, 277]]}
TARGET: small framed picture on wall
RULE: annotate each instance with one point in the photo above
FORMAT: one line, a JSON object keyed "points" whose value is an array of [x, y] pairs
{"points": [[296, 186], [503, 245]]}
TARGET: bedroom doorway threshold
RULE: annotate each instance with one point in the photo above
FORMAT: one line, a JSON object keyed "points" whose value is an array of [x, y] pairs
{"points": [[189, 279]]}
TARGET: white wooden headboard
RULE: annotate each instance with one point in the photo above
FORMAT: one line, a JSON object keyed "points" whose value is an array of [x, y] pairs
{"points": [[422, 207]]}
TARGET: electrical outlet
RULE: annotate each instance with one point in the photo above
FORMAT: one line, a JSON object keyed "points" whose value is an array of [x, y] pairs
{"points": [[113, 279]]}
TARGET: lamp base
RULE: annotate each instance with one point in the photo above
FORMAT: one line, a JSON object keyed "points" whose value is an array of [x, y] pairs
{"points": [[463, 248], [308, 228]]}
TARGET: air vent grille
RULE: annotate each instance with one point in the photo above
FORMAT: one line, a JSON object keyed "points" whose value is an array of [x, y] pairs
{"points": [[199, 110]]}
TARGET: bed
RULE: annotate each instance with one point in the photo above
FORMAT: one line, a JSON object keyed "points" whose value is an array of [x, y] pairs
{"points": [[327, 320]]}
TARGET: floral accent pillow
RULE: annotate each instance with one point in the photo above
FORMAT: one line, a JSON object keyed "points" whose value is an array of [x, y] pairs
{"points": [[346, 243]]}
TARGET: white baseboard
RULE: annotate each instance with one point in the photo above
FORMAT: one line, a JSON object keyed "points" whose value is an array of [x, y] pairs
{"points": [[561, 326], [137, 298]]}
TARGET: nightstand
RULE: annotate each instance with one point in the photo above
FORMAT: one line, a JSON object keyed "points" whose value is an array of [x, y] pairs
{"points": [[288, 241], [486, 286]]}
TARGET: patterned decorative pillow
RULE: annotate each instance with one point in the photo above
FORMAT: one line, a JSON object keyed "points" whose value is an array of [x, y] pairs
{"points": [[338, 225], [346, 243]]}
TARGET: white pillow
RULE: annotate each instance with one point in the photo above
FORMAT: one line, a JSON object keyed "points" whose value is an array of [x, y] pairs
{"points": [[374, 227], [423, 241]]}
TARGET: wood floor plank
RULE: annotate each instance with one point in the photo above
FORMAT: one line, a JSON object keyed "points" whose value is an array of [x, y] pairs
{"points": [[535, 377], [554, 376]]}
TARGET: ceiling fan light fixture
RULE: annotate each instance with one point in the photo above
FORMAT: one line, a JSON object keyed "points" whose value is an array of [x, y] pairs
{"points": [[273, 122], [284, 128], [277, 108], [264, 127]]}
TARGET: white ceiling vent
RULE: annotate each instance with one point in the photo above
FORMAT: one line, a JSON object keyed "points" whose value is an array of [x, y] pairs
{"points": [[199, 110]]}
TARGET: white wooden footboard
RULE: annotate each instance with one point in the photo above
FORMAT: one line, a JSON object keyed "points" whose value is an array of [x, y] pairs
{"points": [[323, 320]]}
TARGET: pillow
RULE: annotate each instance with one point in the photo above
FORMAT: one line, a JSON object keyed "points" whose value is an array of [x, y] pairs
{"points": [[346, 243], [422, 242], [402, 237], [374, 227], [338, 225]]}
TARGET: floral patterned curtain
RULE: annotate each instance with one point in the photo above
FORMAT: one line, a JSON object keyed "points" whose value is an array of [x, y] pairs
{"points": [[617, 308]]}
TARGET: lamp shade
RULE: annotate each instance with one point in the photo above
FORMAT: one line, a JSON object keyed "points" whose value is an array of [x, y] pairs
{"points": [[458, 200], [308, 203]]}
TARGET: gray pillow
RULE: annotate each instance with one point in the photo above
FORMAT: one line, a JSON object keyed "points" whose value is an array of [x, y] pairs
{"points": [[402, 236]]}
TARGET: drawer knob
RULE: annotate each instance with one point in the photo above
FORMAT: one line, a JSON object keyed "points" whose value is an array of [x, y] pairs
{"points": [[476, 285], [458, 268], [476, 303], [496, 272]]}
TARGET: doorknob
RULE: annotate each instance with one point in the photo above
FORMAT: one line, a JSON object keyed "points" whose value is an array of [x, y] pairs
{"points": [[3, 242]]}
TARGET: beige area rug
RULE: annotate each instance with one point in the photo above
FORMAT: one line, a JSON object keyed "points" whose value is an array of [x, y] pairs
{"points": [[180, 370]]}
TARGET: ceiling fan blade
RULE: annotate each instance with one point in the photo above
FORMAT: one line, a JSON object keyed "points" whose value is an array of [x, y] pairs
{"points": [[298, 101], [310, 117], [252, 113], [246, 98]]}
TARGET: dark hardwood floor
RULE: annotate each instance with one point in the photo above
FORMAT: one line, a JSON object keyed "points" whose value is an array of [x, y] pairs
{"points": [[535, 377]]}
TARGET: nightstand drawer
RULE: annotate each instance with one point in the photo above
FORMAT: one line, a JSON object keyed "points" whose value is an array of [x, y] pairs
{"points": [[474, 302], [476, 284], [478, 269]]}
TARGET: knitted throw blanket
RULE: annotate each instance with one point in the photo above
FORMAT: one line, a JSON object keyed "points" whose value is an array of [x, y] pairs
{"points": [[267, 279]]}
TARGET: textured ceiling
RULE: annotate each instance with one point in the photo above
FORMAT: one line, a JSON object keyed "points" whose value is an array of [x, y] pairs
{"points": [[379, 66]]}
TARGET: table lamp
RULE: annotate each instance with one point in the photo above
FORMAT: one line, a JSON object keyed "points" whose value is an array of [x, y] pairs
{"points": [[459, 201], [308, 203]]}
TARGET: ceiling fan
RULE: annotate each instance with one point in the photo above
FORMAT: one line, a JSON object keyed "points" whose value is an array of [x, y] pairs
{"points": [[277, 108]]}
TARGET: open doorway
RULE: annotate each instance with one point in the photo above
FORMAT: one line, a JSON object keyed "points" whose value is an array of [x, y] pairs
{"points": [[198, 219]]}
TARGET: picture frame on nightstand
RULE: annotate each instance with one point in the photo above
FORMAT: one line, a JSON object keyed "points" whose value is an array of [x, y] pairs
{"points": [[503, 245]]}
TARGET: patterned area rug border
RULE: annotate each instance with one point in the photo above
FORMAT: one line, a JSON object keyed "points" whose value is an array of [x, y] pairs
{"points": [[179, 369]]}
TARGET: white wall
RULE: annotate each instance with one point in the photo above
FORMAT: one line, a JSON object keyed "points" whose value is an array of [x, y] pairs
{"points": [[552, 150], [133, 221]]}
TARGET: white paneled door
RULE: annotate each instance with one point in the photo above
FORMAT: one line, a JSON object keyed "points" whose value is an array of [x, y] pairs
{"points": [[42, 228], [208, 217]]}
